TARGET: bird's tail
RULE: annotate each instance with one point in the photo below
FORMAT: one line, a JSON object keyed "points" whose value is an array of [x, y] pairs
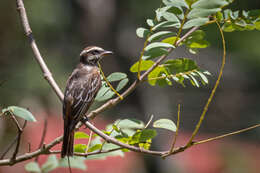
{"points": [[68, 142]]}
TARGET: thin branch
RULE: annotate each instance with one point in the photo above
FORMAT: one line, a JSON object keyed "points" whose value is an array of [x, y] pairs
{"points": [[225, 135], [43, 136], [27, 29], [88, 154], [20, 131], [213, 90], [9, 147], [177, 129], [31, 155], [149, 122], [89, 140], [176, 134]]}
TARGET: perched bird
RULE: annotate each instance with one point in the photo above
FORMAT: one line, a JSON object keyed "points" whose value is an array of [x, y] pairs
{"points": [[81, 89]]}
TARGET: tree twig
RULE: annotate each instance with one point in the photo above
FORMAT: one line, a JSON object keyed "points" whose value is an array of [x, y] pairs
{"points": [[37, 55], [212, 94], [43, 136], [19, 131], [9, 147]]}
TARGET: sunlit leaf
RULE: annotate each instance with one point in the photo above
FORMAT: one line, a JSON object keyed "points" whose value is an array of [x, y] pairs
{"points": [[159, 35], [20, 112], [122, 84], [150, 22], [145, 65], [116, 76], [176, 3], [158, 45], [165, 124], [209, 4], [95, 147], [33, 167], [80, 148], [75, 162], [81, 135], [170, 17], [147, 134], [51, 164], [131, 124], [154, 53], [195, 22], [142, 32], [195, 13]]}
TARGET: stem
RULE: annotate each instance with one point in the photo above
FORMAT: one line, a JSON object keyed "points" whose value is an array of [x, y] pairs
{"points": [[214, 89]]}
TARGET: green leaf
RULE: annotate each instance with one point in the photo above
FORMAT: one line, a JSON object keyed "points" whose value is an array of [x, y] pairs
{"points": [[51, 164], [95, 147], [203, 77], [109, 94], [159, 35], [80, 148], [142, 32], [165, 24], [180, 65], [154, 53], [195, 22], [131, 124], [257, 25], [170, 40], [228, 27], [195, 13], [170, 17], [194, 81], [199, 44], [145, 65], [165, 124], [176, 3], [209, 4], [158, 45], [103, 90], [32, 167], [147, 134], [81, 135], [155, 73], [122, 84], [75, 162], [116, 76], [20, 112], [150, 22]]}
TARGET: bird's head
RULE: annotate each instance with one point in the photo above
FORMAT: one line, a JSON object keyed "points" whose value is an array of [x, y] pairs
{"points": [[92, 54]]}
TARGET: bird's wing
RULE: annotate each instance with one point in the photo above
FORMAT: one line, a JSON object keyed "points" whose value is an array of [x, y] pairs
{"points": [[83, 92]]}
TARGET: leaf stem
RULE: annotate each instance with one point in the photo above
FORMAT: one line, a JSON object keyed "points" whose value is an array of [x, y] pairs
{"points": [[214, 89], [107, 82]]}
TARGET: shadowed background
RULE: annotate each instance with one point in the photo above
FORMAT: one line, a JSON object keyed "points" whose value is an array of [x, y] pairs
{"points": [[63, 28]]}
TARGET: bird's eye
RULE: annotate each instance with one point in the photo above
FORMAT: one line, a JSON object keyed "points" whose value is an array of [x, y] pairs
{"points": [[95, 52]]}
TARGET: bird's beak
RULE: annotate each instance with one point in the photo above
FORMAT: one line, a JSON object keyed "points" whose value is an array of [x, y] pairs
{"points": [[106, 53]]}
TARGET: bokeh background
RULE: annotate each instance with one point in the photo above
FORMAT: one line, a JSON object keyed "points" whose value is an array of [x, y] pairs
{"points": [[62, 28]]}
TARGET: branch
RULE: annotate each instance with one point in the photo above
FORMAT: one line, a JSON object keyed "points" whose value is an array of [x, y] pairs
{"points": [[31, 155], [37, 55], [43, 136], [212, 94], [20, 131]]}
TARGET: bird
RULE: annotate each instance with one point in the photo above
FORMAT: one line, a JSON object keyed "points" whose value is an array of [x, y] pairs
{"points": [[81, 89]]}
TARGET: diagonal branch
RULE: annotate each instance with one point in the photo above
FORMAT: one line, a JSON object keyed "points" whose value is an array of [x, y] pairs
{"points": [[37, 55], [20, 131]]}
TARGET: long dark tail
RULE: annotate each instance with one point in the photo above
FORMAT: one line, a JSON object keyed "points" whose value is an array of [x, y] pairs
{"points": [[68, 142]]}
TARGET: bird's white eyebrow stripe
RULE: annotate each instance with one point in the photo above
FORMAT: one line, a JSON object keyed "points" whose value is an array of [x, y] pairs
{"points": [[88, 50]]}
